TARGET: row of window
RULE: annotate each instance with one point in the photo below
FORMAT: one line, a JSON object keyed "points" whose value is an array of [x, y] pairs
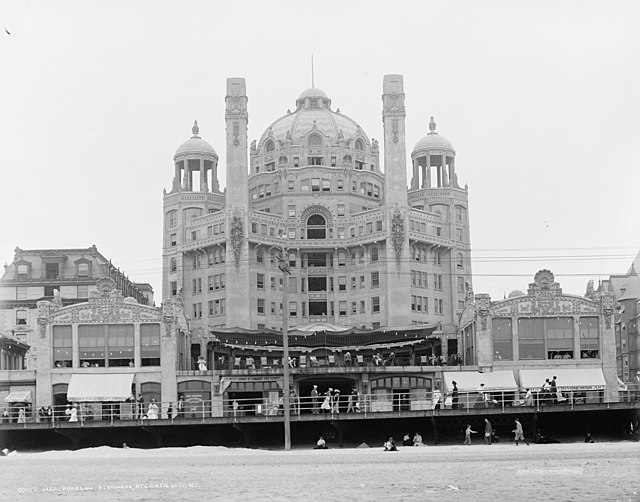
{"points": [[319, 283], [421, 304], [106, 345], [52, 270], [215, 282], [546, 338], [317, 160], [313, 141], [344, 308], [420, 280], [321, 259], [317, 227], [215, 308], [82, 291]]}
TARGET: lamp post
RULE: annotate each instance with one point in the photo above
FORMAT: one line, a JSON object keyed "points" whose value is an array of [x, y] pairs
{"points": [[283, 265]]}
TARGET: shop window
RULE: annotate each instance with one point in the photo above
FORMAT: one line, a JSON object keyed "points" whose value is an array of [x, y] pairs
{"points": [[502, 338], [62, 346]]}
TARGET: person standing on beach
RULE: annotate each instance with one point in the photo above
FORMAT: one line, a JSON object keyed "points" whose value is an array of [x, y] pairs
{"points": [[554, 390], [488, 430], [519, 433], [467, 435]]}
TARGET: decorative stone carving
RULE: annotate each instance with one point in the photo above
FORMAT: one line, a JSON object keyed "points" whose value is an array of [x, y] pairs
{"points": [[195, 129], [57, 300], [397, 233], [394, 129], [607, 307], [483, 301], [44, 311], [236, 235]]}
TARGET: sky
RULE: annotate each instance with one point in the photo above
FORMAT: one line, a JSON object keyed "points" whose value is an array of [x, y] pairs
{"points": [[541, 101]]}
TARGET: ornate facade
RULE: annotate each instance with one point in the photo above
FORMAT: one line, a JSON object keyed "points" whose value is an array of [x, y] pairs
{"points": [[317, 196], [546, 333]]}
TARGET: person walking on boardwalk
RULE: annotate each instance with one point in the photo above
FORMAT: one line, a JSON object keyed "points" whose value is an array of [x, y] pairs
{"points": [[519, 433], [467, 435], [488, 431]]}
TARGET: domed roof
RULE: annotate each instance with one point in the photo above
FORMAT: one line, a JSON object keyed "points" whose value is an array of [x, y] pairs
{"points": [[195, 144], [433, 141], [313, 92], [322, 119]]}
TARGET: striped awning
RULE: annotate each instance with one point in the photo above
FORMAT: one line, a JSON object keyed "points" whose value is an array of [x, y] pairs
{"points": [[18, 396], [100, 387]]}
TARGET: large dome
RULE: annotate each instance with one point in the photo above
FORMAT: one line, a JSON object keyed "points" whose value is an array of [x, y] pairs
{"points": [[195, 144], [433, 141], [313, 113]]}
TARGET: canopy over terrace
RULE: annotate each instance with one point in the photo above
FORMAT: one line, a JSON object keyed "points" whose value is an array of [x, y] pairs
{"points": [[319, 336]]}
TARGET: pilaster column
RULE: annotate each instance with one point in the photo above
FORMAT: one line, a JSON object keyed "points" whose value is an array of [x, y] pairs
{"points": [[203, 177], [428, 170], [445, 176]]}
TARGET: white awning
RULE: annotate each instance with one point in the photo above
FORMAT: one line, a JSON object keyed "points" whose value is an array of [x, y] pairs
{"points": [[471, 380], [18, 396], [100, 387], [566, 378]]}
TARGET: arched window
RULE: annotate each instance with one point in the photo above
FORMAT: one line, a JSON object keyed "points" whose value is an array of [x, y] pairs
{"points": [[315, 140], [270, 146], [316, 227], [359, 144], [173, 265], [460, 260]]}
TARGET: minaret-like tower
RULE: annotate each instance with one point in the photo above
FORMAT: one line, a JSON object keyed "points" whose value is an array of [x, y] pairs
{"points": [[396, 204], [237, 206]]}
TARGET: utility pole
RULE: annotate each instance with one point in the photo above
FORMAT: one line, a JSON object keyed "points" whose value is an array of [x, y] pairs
{"points": [[283, 265]]}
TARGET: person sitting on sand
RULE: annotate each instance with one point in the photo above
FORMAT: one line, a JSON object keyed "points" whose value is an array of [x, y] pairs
{"points": [[321, 444], [406, 440], [417, 440], [390, 445]]}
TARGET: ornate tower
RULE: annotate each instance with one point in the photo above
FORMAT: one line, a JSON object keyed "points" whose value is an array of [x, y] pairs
{"points": [[237, 206], [397, 249]]}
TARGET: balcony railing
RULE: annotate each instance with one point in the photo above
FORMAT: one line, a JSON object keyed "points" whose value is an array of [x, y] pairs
{"points": [[327, 404]]}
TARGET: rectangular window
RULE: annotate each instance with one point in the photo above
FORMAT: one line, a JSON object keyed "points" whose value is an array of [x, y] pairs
{"points": [[291, 185], [361, 281], [174, 288], [62, 346], [293, 309], [273, 308], [194, 235], [173, 240], [21, 317], [83, 270], [460, 284], [379, 226], [272, 280], [83, 291], [354, 308], [51, 271], [413, 303], [23, 271], [291, 211], [413, 277], [260, 281], [374, 254], [326, 185], [439, 231], [91, 345], [353, 282], [531, 338], [375, 279], [150, 344], [305, 186], [459, 235], [502, 338], [296, 163], [292, 233], [120, 345], [375, 304], [589, 338], [437, 282], [342, 283], [341, 209], [21, 293], [194, 286], [261, 306], [362, 306], [342, 308], [340, 184], [210, 307], [333, 162], [254, 227], [559, 335]]}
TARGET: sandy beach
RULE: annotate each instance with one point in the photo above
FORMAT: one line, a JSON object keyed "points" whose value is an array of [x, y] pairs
{"points": [[577, 471]]}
